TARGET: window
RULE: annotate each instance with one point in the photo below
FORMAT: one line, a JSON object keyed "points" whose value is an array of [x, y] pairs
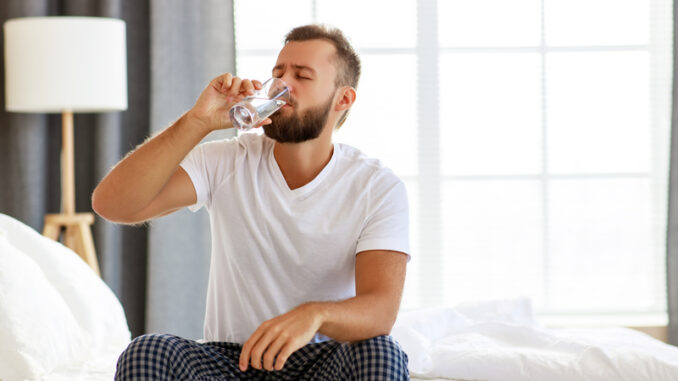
{"points": [[532, 136]]}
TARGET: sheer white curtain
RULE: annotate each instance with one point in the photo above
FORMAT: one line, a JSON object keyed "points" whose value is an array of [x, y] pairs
{"points": [[532, 136]]}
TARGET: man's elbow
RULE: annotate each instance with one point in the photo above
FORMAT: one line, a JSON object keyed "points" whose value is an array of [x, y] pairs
{"points": [[385, 324], [102, 211], [98, 204], [107, 209], [380, 327]]}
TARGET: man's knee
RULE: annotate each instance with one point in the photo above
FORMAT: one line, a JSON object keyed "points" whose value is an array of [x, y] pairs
{"points": [[150, 345], [147, 356], [380, 358]]}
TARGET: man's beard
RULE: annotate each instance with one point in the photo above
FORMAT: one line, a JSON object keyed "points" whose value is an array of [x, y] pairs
{"points": [[297, 128]]}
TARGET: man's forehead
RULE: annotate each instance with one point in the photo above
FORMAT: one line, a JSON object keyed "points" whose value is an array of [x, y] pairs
{"points": [[281, 66], [313, 54]]}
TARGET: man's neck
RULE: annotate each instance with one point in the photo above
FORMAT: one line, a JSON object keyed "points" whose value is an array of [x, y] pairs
{"points": [[300, 163]]}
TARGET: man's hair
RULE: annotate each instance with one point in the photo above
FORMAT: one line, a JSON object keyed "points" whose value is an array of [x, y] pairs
{"points": [[348, 62]]}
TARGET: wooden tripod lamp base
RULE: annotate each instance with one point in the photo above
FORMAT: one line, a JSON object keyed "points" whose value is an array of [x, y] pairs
{"points": [[77, 234]]}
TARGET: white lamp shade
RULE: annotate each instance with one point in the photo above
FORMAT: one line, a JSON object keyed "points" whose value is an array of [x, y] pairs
{"points": [[55, 64]]}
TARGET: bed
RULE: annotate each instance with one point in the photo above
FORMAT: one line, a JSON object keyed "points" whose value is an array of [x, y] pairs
{"points": [[59, 321], [501, 340]]}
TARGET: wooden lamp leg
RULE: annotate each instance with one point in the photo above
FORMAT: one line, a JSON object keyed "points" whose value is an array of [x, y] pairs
{"points": [[77, 234], [51, 231]]}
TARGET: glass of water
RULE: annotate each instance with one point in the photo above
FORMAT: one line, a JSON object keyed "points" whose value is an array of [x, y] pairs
{"points": [[252, 110]]}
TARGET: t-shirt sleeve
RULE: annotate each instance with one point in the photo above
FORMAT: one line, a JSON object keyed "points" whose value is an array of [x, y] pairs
{"points": [[387, 224], [207, 165]]}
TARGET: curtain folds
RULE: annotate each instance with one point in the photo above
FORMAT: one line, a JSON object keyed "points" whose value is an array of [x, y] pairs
{"points": [[159, 270]]}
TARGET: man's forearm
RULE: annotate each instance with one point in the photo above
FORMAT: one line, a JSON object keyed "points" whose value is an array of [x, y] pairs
{"points": [[358, 318], [140, 176]]}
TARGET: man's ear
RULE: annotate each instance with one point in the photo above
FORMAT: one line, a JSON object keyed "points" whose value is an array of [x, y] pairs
{"points": [[346, 98]]}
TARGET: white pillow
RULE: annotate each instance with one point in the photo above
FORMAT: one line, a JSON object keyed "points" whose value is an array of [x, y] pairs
{"points": [[93, 304], [38, 332]]}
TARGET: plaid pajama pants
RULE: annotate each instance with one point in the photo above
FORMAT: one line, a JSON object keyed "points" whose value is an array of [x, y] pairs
{"points": [[168, 357]]}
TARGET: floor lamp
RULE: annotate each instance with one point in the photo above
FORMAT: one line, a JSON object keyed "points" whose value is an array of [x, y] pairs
{"points": [[66, 65]]}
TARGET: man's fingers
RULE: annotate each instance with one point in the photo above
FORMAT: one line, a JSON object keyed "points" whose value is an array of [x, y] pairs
{"points": [[258, 351], [256, 345], [235, 86], [255, 355], [225, 82], [244, 358], [232, 86], [272, 351], [283, 356], [247, 87], [245, 354]]}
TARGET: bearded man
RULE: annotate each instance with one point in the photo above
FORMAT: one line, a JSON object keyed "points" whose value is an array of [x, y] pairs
{"points": [[309, 237]]}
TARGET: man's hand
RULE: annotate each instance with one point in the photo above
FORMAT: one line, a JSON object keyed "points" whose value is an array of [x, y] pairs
{"points": [[211, 108], [380, 276], [278, 338]]}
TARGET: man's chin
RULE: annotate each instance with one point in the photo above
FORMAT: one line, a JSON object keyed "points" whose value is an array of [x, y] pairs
{"points": [[271, 131], [289, 127]]}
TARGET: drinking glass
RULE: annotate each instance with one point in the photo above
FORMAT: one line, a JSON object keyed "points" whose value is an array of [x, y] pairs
{"points": [[252, 110]]}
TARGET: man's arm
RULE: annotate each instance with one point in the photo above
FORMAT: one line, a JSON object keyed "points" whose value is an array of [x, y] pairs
{"points": [[148, 182], [379, 281], [379, 277]]}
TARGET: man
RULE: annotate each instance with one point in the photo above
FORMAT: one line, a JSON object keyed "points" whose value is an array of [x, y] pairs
{"points": [[309, 238]]}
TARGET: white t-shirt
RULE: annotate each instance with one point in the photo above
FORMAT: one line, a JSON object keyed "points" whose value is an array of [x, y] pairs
{"points": [[274, 248]]}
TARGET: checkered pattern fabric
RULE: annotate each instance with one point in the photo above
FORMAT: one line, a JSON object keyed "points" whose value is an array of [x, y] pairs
{"points": [[168, 357]]}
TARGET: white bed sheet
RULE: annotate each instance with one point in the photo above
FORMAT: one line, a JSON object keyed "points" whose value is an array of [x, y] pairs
{"points": [[502, 341], [101, 368]]}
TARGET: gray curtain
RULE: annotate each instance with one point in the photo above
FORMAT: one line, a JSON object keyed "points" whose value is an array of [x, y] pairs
{"points": [[191, 43], [672, 236], [174, 47]]}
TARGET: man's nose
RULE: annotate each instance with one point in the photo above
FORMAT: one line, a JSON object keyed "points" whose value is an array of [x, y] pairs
{"points": [[288, 79]]}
